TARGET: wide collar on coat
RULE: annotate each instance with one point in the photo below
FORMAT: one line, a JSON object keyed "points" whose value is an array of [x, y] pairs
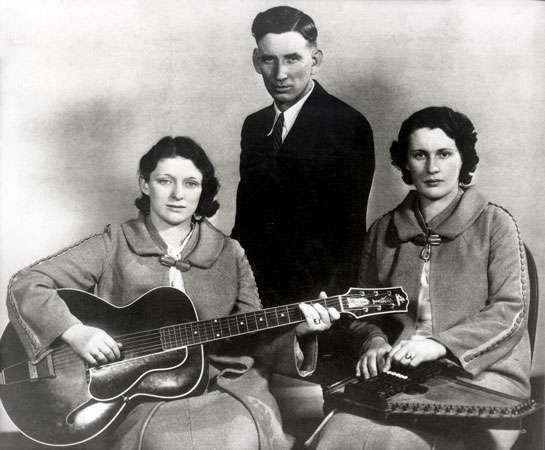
{"points": [[202, 250], [451, 222]]}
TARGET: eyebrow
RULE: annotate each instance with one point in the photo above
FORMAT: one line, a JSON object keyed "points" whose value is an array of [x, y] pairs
{"points": [[166, 174], [428, 151], [289, 55]]}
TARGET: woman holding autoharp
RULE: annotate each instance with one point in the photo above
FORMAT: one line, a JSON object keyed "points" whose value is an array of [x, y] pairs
{"points": [[462, 263]]}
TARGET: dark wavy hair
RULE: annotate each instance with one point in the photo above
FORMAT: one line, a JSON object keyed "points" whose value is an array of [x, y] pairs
{"points": [[456, 126], [169, 147], [282, 19]]}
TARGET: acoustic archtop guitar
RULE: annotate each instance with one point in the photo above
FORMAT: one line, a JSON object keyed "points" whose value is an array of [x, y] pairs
{"points": [[61, 400]]}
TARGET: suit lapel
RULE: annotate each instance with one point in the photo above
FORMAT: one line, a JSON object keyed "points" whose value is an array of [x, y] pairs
{"points": [[304, 128], [266, 122]]}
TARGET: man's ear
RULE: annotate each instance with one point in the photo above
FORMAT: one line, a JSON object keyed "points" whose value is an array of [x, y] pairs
{"points": [[144, 186], [317, 57], [255, 60]]}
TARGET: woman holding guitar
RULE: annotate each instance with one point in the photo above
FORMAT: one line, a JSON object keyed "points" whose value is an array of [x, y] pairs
{"points": [[462, 262], [173, 244]]}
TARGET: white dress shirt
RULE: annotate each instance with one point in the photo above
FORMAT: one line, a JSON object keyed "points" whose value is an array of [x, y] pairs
{"points": [[290, 114], [174, 274]]}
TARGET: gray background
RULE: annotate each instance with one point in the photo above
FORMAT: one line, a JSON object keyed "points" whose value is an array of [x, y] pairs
{"points": [[88, 87]]}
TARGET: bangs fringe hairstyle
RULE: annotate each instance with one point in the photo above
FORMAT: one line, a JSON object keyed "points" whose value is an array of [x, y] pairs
{"points": [[185, 147]]}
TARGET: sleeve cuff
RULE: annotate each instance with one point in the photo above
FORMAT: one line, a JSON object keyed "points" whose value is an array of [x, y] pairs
{"points": [[306, 355]]}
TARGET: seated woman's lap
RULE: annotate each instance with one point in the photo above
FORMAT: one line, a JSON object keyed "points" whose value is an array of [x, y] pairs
{"points": [[210, 421], [349, 432]]}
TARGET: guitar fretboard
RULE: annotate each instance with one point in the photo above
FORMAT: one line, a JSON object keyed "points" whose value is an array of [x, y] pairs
{"points": [[201, 332], [193, 333]]}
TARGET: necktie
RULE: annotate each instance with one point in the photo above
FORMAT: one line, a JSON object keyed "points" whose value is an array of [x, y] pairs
{"points": [[277, 132]]}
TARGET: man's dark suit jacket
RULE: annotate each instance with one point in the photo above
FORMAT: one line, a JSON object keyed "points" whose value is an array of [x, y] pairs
{"points": [[301, 211]]}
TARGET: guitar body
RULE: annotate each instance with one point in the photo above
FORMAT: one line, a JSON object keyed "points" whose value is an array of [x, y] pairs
{"points": [[60, 400], [63, 401]]}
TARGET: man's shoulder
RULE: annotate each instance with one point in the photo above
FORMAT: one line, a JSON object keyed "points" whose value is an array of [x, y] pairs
{"points": [[328, 104], [260, 116]]}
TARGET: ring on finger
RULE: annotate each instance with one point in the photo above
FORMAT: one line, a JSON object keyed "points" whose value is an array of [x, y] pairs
{"points": [[317, 321], [409, 356]]}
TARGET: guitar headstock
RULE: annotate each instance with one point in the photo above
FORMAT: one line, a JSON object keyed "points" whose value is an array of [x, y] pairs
{"points": [[361, 302]]}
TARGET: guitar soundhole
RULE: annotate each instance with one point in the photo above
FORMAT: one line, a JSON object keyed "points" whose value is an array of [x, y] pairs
{"points": [[415, 389]]}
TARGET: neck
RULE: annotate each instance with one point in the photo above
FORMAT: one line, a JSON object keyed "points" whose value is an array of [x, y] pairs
{"points": [[430, 208], [172, 235]]}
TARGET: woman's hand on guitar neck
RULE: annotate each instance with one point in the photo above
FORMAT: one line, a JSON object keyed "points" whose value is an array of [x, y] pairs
{"points": [[317, 318], [92, 344]]}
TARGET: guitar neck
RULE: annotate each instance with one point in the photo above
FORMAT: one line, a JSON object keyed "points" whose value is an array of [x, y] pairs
{"points": [[359, 302], [205, 331]]}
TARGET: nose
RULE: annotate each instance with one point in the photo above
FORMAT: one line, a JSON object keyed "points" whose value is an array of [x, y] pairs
{"points": [[177, 191], [281, 71], [432, 165]]}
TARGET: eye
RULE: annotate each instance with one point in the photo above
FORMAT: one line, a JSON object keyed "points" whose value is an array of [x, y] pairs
{"points": [[163, 181], [266, 59], [292, 59], [418, 155], [192, 184], [443, 154]]}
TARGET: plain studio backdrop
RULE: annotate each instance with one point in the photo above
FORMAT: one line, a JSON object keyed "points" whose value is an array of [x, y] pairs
{"points": [[88, 87]]}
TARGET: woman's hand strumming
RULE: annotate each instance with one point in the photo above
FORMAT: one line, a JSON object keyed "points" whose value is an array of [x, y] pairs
{"points": [[92, 344], [380, 355], [375, 359], [416, 350]]}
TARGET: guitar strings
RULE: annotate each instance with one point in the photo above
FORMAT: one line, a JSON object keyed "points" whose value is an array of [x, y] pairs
{"points": [[143, 343], [135, 343]]}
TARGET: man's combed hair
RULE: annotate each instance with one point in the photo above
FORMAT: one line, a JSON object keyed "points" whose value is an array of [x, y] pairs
{"points": [[455, 125], [184, 147], [282, 19]]}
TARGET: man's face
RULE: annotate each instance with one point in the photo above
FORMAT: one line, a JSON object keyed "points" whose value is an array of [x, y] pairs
{"points": [[286, 61]]}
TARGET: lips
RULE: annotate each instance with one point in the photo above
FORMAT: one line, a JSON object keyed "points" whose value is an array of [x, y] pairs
{"points": [[176, 207], [433, 182]]}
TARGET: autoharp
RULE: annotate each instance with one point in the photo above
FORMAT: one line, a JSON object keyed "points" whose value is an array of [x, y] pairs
{"points": [[431, 392]]}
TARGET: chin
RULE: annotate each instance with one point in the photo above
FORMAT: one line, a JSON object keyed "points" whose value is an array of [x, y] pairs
{"points": [[283, 99], [175, 221], [434, 195]]}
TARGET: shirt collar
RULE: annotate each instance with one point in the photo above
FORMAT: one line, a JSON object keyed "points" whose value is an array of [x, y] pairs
{"points": [[290, 114]]}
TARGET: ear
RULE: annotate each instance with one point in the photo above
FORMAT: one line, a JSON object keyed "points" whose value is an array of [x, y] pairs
{"points": [[255, 61], [317, 57], [144, 186]]}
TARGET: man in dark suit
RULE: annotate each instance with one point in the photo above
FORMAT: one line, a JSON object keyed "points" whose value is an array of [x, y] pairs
{"points": [[306, 169]]}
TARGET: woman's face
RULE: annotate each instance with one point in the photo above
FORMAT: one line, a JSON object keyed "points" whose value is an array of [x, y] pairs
{"points": [[174, 189], [434, 163]]}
